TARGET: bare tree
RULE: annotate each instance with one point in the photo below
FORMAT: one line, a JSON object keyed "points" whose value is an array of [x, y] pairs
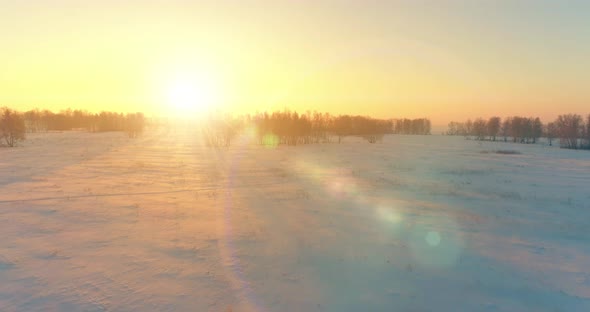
{"points": [[480, 129], [506, 128], [569, 128], [550, 132], [494, 127], [527, 130], [517, 129], [134, 124], [12, 126], [468, 129], [221, 131], [342, 126], [537, 129], [587, 133], [33, 121], [454, 128]]}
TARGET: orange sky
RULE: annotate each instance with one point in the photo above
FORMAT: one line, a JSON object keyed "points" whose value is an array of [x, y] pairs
{"points": [[445, 60]]}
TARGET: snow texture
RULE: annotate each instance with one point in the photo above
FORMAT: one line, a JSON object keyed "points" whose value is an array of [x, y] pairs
{"points": [[100, 222]]}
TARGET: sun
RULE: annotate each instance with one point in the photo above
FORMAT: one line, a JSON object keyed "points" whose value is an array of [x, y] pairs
{"points": [[191, 95]]}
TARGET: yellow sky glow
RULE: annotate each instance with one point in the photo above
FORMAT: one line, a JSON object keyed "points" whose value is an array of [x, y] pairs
{"points": [[378, 60]]}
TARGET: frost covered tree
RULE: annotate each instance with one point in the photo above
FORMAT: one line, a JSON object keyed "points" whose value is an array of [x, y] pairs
{"points": [[12, 126]]}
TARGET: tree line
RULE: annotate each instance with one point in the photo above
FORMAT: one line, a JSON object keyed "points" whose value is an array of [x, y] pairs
{"points": [[291, 128], [43, 121], [411, 126], [278, 127], [14, 125], [571, 130]]}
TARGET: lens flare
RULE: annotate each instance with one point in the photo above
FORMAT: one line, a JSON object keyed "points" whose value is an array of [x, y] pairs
{"points": [[432, 238], [389, 215], [270, 141], [436, 242], [246, 138]]}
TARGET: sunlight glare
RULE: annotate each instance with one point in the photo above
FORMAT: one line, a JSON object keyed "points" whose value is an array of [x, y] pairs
{"points": [[191, 95]]}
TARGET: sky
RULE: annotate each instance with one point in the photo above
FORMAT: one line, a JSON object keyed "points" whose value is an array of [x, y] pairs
{"points": [[445, 60]]}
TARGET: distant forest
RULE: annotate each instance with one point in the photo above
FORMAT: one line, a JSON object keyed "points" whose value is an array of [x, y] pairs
{"points": [[279, 127], [291, 128], [14, 125], [570, 129]]}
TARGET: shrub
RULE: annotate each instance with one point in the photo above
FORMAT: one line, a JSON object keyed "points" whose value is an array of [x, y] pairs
{"points": [[502, 152]]}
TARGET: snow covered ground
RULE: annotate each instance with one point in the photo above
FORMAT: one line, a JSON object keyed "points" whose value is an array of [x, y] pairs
{"points": [[100, 222]]}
